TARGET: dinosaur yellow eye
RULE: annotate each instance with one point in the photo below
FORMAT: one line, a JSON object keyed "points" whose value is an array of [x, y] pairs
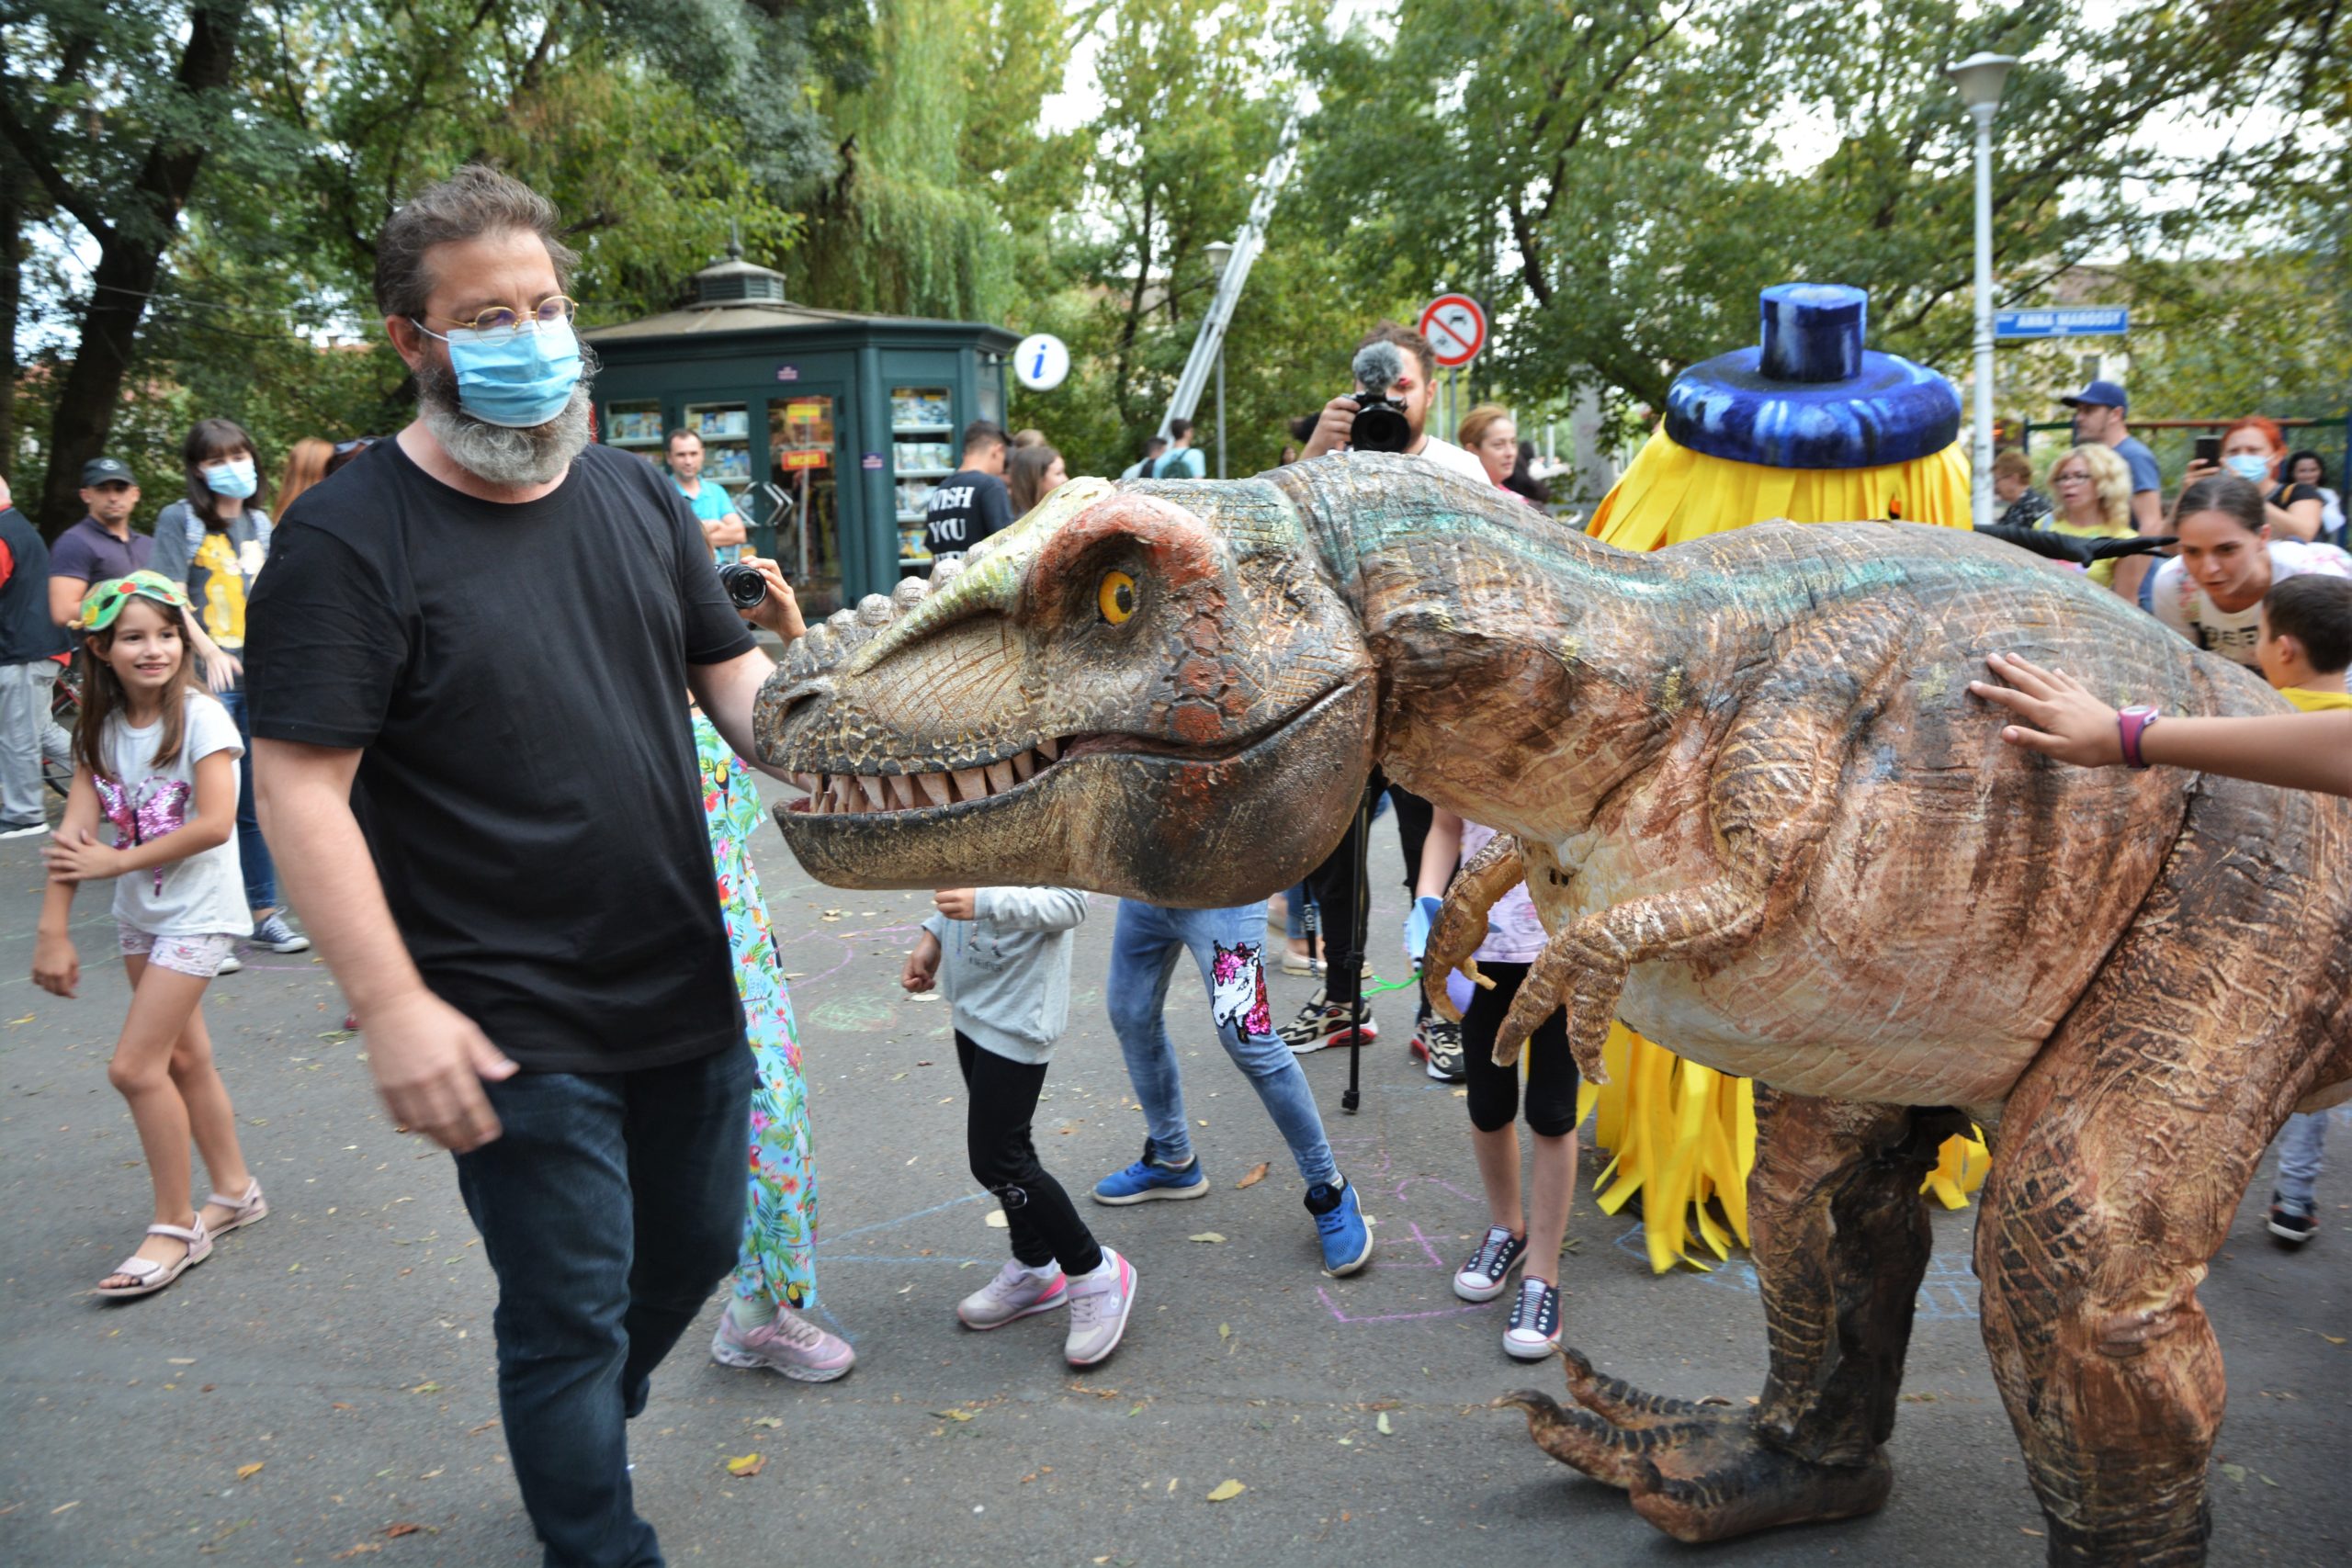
{"points": [[1117, 597]]}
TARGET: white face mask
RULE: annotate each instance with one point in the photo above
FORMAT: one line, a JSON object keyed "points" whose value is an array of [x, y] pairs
{"points": [[2252, 467]]}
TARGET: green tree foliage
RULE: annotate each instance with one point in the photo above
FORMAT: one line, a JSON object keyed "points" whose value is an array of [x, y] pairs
{"points": [[232, 197], [1621, 177]]}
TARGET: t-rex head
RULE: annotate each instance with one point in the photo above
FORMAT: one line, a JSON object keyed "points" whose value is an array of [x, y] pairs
{"points": [[1151, 694]]}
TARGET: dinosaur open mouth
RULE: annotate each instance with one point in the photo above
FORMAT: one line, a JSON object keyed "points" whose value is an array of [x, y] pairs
{"points": [[855, 795]]}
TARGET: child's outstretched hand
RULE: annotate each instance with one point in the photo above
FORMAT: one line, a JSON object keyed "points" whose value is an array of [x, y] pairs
{"points": [[957, 903], [922, 964], [56, 968]]}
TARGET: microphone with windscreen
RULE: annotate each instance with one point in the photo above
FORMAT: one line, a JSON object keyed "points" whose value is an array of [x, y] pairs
{"points": [[1380, 424]]}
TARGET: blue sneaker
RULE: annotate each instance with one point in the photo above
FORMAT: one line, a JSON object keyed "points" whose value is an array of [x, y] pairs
{"points": [[1347, 1238], [1148, 1178]]}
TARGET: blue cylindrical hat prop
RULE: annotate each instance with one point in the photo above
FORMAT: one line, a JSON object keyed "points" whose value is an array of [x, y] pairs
{"points": [[1810, 395]]}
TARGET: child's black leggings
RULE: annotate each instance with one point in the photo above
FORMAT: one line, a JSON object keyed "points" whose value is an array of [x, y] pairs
{"points": [[1551, 1070], [1043, 1222]]}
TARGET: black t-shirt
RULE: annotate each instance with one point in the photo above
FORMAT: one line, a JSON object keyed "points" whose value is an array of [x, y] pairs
{"points": [[517, 678], [2285, 495], [968, 507]]}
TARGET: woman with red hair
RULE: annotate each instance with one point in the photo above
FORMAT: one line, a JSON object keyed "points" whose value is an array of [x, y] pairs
{"points": [[2252, 449]]}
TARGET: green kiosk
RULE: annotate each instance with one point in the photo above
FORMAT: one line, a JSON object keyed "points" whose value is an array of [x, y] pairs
{"points": [[830, 429]]}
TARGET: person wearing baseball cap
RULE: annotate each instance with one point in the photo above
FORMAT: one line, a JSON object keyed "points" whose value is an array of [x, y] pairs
{"points": [[102, 545], [2099, 410]]}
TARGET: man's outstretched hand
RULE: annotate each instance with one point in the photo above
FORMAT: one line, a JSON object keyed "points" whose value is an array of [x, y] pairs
{"points": [[2068, 723], [430, 1060]]}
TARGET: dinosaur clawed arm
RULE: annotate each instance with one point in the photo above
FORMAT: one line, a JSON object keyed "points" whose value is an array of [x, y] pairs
{"points": [[1462, 922], [1771, 793]]}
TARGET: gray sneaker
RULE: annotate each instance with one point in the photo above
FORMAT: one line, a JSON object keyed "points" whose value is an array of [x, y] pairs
{"points": [[1014, 1292], [791, 1345], [1099, 1306], [274, 933]]}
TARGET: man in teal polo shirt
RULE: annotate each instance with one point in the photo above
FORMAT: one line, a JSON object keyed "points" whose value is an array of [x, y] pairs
{"points": [[722, 526]]}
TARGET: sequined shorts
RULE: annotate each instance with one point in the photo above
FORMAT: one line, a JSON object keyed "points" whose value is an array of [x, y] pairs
{"points": [[199, 955]]}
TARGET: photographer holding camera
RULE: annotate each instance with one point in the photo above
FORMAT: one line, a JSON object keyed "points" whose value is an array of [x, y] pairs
{"points": [[1396, 374]]}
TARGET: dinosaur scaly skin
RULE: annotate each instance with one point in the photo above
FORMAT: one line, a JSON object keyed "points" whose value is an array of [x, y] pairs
{"points": [[1761, 816]]}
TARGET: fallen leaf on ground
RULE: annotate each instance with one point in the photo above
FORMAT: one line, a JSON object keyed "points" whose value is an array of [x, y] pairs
{"points": [[2027, 1530], [2333, 1338], [2234, 1472], [247, 1471], [1226, 1490], [747, 1464], [402, 1529], [1205, 1235], [1253, 1176], [429, 1387], [1383, 1426], [768, 1421], [953, 1414], [183, 1360], [996, 1220], [63, 1507], [1225, 1331]]}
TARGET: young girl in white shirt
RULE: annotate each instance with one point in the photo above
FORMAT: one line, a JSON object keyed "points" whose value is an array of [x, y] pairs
{"points": [[156, 756]]}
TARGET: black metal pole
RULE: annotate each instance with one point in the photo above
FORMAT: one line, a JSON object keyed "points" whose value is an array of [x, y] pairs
{"points": [[1353, 1097]]}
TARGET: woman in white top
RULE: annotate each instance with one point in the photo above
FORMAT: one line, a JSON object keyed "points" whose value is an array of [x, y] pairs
{"points": [[2213, 592], [2306, 468]]}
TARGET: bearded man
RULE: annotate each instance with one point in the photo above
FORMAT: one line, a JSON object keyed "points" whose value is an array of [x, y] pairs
{"points": [[489, 625]]}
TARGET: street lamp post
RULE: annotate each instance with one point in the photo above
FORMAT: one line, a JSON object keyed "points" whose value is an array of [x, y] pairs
{"points": [[1219, 253], [1980, 78]]}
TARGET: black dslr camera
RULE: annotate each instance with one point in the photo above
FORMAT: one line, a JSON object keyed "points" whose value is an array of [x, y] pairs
{"points": [[745, 587], [1380, 423]]}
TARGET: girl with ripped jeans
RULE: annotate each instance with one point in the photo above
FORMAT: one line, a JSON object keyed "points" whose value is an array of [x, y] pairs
{"points": [[1002, 956]]}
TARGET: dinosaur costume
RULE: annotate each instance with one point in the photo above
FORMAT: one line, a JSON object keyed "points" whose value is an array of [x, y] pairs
{"points": [[1762, 816], [1809, 427]]}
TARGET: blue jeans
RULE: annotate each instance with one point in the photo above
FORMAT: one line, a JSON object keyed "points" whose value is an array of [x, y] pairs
{"points": [[2301, 1142], [1228, 945], [609, 1207], [252, 853]]}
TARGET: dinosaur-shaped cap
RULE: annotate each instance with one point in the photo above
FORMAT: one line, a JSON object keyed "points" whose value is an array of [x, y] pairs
{"points": [[1811, 396]]}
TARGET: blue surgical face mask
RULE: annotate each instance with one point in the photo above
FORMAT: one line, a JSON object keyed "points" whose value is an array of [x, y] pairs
{"points": [[2248, 465], [234, 478], [517, 378]]}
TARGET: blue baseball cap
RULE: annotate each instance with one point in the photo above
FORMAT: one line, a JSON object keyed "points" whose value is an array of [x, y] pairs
{"points": [[2099, 394]]}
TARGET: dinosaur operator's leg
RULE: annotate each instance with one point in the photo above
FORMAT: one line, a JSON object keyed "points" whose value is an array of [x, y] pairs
{"points": [[1841, 1241], [2123, 1152]]}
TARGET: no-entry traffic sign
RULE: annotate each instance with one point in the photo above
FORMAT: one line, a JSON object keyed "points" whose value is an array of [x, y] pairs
{"points": [[1456, 329]]}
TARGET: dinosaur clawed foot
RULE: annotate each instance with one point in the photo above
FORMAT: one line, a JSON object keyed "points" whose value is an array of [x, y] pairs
{"points": [[1697, 1472]]}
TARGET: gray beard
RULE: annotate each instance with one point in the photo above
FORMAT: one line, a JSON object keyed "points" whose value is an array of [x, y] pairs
{"points": [[498, 454]]}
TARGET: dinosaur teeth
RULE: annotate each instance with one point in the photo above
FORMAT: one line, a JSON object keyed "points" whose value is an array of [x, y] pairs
{"points": [[971, 783], [872, 787], [902, 792], [999, 777], [1024, 766], [934, 788], [1050, 749]]}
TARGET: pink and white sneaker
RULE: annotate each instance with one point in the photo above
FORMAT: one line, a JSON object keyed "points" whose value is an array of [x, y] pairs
{"points": [[1017, 1292], [791, 1345], [1099, 1305]]}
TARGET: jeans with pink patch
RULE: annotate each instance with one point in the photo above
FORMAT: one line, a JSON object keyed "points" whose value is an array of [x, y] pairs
{"points": [[1228, 948]]}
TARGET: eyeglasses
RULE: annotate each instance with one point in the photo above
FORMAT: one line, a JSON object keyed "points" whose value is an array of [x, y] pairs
{"points": [[554, 308]]}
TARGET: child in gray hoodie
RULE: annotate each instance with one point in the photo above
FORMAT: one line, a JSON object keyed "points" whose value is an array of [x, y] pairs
{"points": [[1003, 956]]}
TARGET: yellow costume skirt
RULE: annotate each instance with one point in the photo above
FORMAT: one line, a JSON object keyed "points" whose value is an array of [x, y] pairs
{"points": [[1682, 1136]]}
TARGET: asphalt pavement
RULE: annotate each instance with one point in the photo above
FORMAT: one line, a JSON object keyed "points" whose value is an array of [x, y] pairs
{"points": [[321, 1390]]}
